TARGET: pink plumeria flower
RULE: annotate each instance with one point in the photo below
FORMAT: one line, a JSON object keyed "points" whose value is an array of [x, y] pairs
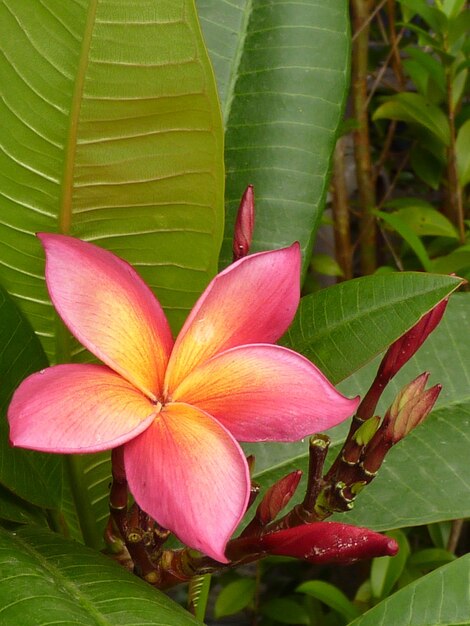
{"points": [[178, 408]]}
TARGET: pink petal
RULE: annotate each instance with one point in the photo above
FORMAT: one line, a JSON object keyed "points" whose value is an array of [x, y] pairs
{"points": [[109, 309], [252, 301], [328, 542], [265, 393], [189, 474], [77, 408]]}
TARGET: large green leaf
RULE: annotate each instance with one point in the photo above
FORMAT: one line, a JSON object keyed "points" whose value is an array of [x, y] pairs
{"points": [[425, 477], [47, 580], [33, 476], [343, 327], [282, 73], [440, 598], [111, 132]]}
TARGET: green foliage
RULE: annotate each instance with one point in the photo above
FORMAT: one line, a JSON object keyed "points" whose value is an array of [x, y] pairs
{"points": [[234, 597], [282, 99], [46, 579]]}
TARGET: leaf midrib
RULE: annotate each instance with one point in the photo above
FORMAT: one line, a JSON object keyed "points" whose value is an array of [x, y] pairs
{"points": [[65, 207]]}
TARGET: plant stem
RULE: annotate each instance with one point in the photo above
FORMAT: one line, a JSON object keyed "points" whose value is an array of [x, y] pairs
{"points": [[340, 206], [362, 149]]}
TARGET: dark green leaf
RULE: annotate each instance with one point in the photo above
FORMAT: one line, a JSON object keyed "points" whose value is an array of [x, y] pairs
{"points": [[438, 599], [282, 99], [45, 579], [331, 596], [285, 611], [236, 596], [430, 558], [14, 509], [343, 327], [385, 571], [30, 475]]}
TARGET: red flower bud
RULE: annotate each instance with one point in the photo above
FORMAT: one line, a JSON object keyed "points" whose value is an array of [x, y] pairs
{"points": [[328, 542], [277, 497], [244, 225]]}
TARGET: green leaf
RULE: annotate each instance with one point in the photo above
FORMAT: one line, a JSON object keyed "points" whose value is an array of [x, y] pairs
{"points": [[45, 579], [111, 132], [462, 148], [402, 228], [423, 219], [455, 261], [236, 596], [282, 98], [432, 15], [13, 509], [385, 571], [414, 108], [286, 611], [425, 477], [343, 327], [452, 7], [426, 164], [325, 264], [331, 596], [430, 558], [33, 476], [440, 598]]}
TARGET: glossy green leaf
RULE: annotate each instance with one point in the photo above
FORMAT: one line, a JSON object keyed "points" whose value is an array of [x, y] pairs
{"points": [[425, 477], [408, 234], [439, 599], [462, 149], [234, 597], [331, 596], [45, 579], [343, 327], [282, 100], [423, 219], [30, 475], [111, 132], [414, 108], [385, 571]]}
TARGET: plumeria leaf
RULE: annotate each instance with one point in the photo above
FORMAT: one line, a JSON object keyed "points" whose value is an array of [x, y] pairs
{"points": [[32, 476], [332, 327], [425, 477], [441, 598], [111, 132], [234, 597], [282, 99], [46, 579], [14, 509]]}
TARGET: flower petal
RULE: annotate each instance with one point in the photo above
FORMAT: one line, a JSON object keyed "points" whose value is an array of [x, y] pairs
{"points": [[189, 474], [109, 309], [252, 301], [77, 408], [265, 393]]}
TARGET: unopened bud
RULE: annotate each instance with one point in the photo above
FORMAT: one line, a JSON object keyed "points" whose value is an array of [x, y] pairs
{"points": [[277, 497], [244, 225], [328, 542]]}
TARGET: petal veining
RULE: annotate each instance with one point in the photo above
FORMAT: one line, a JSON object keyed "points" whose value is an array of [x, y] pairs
{"points": [[265, 393], [253, 301], [77, 408], [109, 309], [191, 476]]}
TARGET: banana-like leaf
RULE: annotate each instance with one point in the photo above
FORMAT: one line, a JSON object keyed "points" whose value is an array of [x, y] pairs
{"points": [[425, 477], [111, 132], [45, 579], [440, 598], [282, 73]]}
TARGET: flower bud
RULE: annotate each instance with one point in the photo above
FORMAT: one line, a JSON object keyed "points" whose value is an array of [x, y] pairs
{"points": [[277, 497], [244, 225], [328, 542]]}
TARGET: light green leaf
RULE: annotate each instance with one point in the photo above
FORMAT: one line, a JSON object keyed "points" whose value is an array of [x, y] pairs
{"points": [[455, 261], [414, 108], [385, 571], [282, 99], [236, 596], [423, 219], [331, 596], [441, 598], [462, 148], [325, 264], [452, 7], [343, 327], [30, 475], [403, 229], [47, 580], [111, 132], [425, 477]]}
